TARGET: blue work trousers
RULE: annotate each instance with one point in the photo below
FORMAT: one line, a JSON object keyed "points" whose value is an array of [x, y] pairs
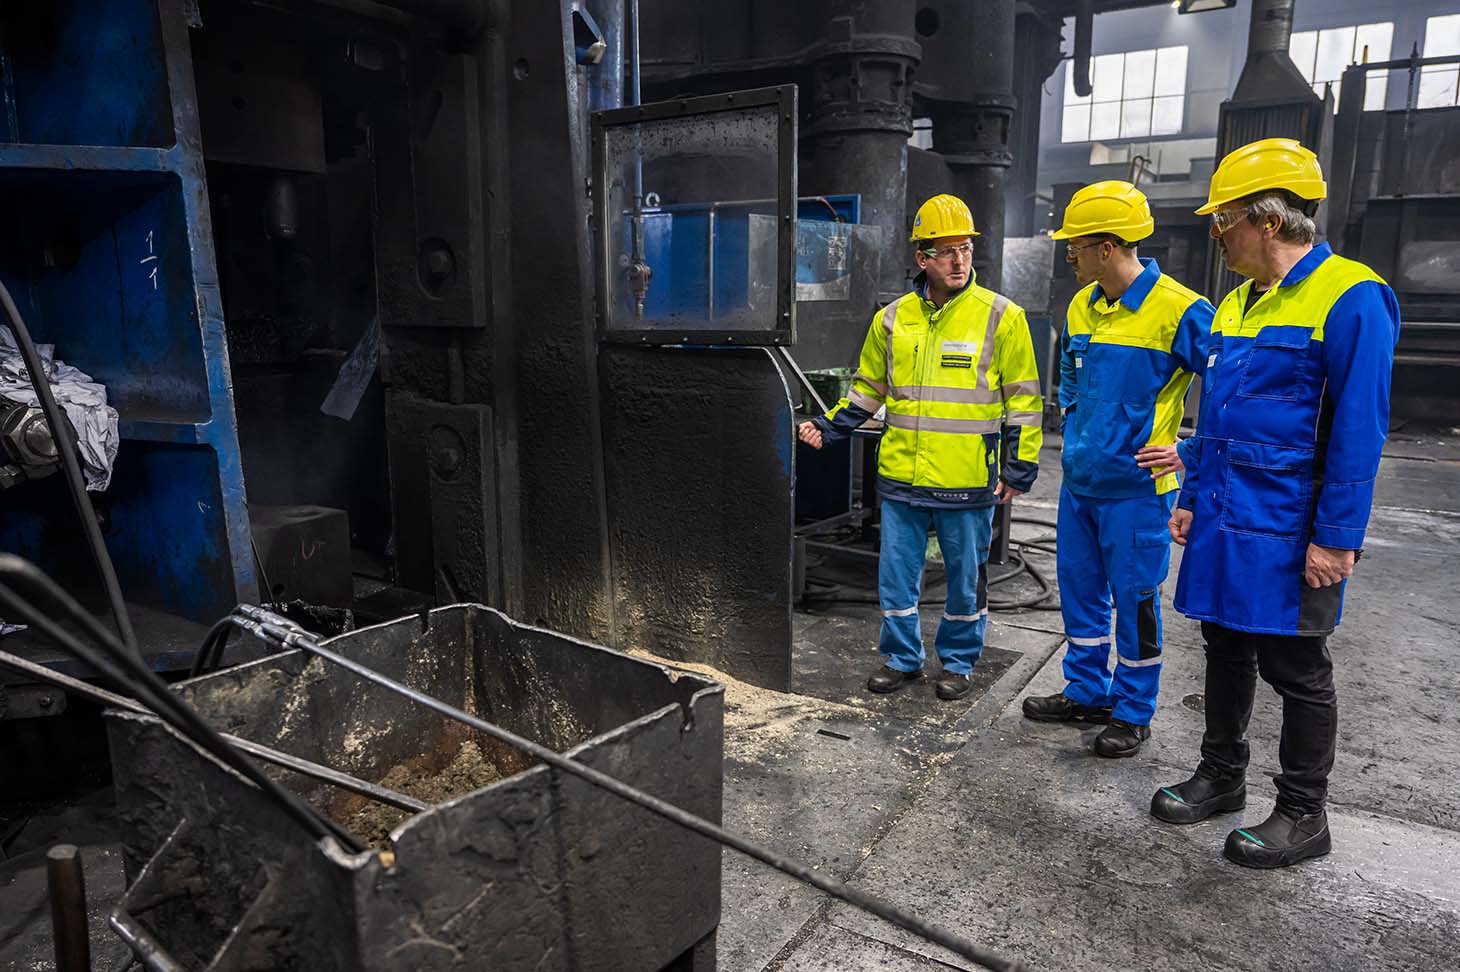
{"points": [[1114, 550], [964, 537]]}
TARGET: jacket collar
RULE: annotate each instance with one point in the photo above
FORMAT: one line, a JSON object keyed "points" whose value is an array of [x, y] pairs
{"points": [[1307, 265], [1135, 295]]}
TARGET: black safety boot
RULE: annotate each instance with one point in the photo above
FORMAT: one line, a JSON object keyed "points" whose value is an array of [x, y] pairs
{"points": [[1198, 798], [1121, 738], [887, 679], [950, 686], [1282, 839], [1062, 708]]}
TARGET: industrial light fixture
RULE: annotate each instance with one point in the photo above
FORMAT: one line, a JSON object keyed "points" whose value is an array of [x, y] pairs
{"points": [[1202, 6]]}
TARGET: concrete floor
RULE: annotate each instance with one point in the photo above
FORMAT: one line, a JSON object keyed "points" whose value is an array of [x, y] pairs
{"points": [[1012, 834]]}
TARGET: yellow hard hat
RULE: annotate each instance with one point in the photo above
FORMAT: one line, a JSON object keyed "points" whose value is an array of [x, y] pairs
{"points": [[1268, 163], [1113, 207], [940, 216]]}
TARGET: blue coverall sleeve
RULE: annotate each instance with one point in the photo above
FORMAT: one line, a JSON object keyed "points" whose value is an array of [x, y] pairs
{"points": [[1191, 347], [1186, 451], [1193, 339], [1190, 449], [1358, 352], [1069, 379]]}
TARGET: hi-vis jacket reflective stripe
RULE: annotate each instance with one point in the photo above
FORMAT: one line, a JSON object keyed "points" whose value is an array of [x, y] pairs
{"points": [[1124, 373], [959, 383], [1295, 408]]}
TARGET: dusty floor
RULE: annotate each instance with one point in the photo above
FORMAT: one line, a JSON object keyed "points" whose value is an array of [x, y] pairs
{"points": [[1012, 834]]}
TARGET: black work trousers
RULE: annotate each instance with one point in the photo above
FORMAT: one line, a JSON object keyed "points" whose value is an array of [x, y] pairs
{"points": [[1301, 671]]}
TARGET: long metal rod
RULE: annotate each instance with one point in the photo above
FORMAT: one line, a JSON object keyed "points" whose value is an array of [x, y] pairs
{"points": [[260, 626], [149, 951], [785, 353], [634, 100], [710, 265], [1403, 64], [1409, 105], [301, 766]]}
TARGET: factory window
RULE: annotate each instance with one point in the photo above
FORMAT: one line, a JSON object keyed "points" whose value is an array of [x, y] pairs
{"points": [[1133, 95], [922, 133], [1438, 86], [1323, 54]]}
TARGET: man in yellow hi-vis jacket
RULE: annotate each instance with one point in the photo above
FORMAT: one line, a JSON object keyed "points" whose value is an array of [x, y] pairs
{"points": [[954, 364]]}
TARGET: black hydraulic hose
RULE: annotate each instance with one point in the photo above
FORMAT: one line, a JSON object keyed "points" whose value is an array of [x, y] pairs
{"points": [[827, 593], [210, 652], [145, 685], [65, 440], [1035, 520], [261, 624], [1033, 600]]}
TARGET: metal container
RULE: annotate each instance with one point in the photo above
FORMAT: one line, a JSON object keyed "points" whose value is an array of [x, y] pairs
{"points": [[539, 870]]}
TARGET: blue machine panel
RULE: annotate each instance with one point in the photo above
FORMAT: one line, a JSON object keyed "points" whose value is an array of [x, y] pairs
{"points": [[121, 304], [86, 72], [108, 250]]}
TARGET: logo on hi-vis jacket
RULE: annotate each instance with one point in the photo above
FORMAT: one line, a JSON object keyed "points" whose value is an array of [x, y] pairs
{"points": [[958, 354]]}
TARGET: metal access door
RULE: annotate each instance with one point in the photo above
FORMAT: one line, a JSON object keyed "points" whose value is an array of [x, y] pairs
{"points": [[695, 211]]}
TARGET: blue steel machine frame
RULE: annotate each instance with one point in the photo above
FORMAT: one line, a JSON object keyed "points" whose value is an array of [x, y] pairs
{"points": [[109, 253]]}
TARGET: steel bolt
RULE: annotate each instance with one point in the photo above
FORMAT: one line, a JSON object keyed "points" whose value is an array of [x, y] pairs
{"points": [[447, 460], [439, 262]]}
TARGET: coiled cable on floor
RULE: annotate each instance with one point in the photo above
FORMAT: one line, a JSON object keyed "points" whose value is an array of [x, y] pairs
{"points": [[1045, 597]]}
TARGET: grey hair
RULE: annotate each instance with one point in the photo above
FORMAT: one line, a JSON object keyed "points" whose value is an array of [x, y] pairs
{"points": [[1297, 227]]}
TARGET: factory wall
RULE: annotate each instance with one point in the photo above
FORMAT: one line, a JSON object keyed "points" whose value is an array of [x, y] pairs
{"points": [[1216, 45]]}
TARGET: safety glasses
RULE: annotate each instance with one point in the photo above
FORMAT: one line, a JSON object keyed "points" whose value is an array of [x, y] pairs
{"points": [[1225, 219], [964, 250], [1072, 251]]}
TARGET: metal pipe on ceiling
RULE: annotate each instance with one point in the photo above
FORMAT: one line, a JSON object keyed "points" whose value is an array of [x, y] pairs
{"points": [[1271, 27], [1084, 40]]}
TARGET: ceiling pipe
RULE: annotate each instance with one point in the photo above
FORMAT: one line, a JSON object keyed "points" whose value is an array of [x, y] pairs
{"points": [[1084, 39], [1271, 27], [1269, 73]]}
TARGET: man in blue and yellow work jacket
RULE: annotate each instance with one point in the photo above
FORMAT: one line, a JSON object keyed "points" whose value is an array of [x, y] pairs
{"points": [[1133, 339], [1295, 408], [954, 365]]}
